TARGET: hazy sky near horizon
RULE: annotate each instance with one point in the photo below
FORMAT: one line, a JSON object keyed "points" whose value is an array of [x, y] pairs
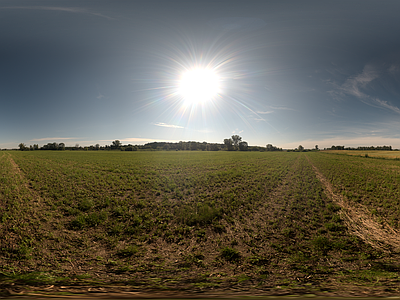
{"points": [[290, 72]]}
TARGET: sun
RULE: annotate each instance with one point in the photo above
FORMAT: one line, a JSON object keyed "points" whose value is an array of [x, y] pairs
{"points": [[198, 86]]}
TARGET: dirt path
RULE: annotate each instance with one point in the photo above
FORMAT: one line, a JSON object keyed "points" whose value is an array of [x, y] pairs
{"points": [[360, 221], [18, 172]]}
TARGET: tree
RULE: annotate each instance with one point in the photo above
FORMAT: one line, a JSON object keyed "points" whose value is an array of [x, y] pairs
{"points": [[22, 147], [243, 146], [97, 146], [301, 148], [228, 144], [236, 140], [116, 144], [316, 147]]}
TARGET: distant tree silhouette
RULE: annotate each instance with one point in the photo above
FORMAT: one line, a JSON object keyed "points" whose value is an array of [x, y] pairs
{"points": [[236, 140], [229, 144], [22, 147], [243, 146], [116, 144], [270, 147]]}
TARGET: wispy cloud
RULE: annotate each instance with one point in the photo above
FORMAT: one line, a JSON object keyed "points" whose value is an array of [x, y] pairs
{"points": [[281, 108], [148, 140], [393, 69], [387, 105], [167, 125], [56, 8], [353, 85], [237, 131], [265, 112], [53, 139], [137, 140], [356, 86]]}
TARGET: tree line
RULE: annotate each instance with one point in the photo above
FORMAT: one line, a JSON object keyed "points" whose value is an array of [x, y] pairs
{"points": [[234, 143], [382, 148]]}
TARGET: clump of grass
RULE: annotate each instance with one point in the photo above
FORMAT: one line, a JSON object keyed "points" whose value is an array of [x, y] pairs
{"points": [[31, 278], [322, 244], [90, 220], [334, 227], [128, 251], [196, 258], [85, 204], [230, 254], [202, 214]]}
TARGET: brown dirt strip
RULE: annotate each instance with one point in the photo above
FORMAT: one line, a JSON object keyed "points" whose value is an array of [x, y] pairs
{"points": [[360, 221]]}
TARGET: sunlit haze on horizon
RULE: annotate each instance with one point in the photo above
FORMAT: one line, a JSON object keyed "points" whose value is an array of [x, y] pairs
{"points": [[286, 73]]}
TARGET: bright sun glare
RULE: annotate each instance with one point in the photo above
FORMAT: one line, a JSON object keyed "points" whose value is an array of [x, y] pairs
{"points": [[198, 86]]}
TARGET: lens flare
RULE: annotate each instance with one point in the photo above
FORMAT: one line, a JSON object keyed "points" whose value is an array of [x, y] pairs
{"points": [[203, 84], [198, 86]]}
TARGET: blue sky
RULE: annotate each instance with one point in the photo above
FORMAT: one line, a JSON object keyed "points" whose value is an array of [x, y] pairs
{"points": [[290, 72]]}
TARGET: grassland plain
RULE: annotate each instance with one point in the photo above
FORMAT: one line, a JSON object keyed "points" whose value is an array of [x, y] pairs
{"points": [[368, 153], [265, 223]]}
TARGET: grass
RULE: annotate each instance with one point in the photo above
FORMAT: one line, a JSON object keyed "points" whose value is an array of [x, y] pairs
{"points": [[261, 219], [373, 183]]}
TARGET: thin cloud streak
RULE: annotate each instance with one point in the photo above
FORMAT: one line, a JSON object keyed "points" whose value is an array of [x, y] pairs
{"points": [[281, 108], [167, 125], [354, 85], [147, 140], [64, 9], [137, 140], [265, 112], [387, 105], [53, 139]]}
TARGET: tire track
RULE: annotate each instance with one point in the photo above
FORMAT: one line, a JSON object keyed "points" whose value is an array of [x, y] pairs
{"points": [[360, 221], [19, 173]]}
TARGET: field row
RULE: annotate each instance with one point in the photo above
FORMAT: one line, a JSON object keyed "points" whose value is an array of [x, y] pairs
{"points": [[372, 182]]}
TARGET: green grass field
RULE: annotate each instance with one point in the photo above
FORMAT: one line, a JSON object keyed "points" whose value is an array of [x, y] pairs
{"points": [[368, 153], [200, 221]]}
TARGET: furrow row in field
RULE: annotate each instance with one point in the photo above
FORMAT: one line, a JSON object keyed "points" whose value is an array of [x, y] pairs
{"points": [[361, 222], [373, 183], [21, 218]]}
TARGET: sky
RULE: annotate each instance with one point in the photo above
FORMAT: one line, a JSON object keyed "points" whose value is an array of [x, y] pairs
{"points": [[288, 73]]}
